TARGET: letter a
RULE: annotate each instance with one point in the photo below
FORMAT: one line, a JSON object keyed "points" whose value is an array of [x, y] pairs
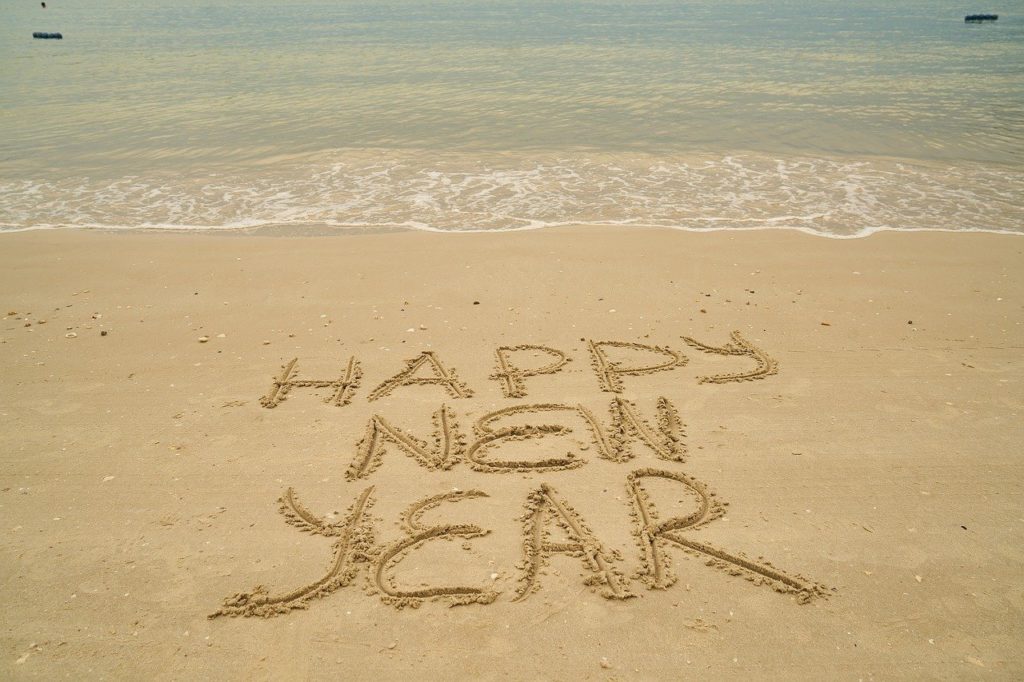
{"points": [[543, 508], [442, 377]]}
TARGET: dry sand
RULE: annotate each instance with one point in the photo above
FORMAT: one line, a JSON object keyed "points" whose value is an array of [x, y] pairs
{"points": [[863, 428]]}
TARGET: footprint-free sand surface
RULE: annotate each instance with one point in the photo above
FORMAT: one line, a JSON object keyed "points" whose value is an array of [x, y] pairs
{"points": [[576, 453]]}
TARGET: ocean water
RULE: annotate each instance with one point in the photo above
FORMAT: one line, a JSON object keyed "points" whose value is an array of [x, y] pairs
{"points": [[837, 118]]}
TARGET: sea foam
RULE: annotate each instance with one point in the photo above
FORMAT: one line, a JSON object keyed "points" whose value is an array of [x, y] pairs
{"points": [[461, 192]]}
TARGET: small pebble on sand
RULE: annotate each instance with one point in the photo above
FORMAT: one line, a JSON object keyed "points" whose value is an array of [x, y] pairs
{"points": [[203, 339]]}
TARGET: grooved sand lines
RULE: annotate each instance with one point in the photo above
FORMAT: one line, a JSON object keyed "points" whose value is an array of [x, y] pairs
{"points": [[511, 376], [766, 365], [488, 437], [449, 444], [442, 377], [667, 441], [609, 372], [390, 556], [550, 526], [652, 536], [544, 507], [344, 387], [355, 538]]}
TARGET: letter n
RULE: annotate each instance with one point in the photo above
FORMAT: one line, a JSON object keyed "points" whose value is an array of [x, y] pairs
{"points": [[667, 440], [448, 445]]}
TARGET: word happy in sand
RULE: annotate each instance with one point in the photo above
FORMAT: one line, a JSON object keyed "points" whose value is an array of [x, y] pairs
{"points": [[550, 525]]}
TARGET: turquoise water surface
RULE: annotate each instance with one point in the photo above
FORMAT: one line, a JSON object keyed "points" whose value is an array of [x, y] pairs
{"points": [[837, 118]]}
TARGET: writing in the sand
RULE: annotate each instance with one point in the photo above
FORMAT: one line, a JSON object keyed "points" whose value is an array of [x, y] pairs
{"points": [[547, 511]]}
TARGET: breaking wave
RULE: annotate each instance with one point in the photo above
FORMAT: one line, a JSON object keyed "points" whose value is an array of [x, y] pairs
{"points": [[474, 192]]}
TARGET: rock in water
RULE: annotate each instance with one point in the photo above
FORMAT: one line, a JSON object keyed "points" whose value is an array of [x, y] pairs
{"points": [[47, 36]]}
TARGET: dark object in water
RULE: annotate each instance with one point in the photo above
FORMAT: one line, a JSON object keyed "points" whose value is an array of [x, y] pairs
{"points": [[47, 36], [974, 18]]}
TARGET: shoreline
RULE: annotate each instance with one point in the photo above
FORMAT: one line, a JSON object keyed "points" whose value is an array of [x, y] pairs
{"points": [[467, 192], [347, 230], [858, 410]]}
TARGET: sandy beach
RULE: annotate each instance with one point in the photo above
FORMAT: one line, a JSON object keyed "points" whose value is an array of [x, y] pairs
{"points": [[577, 453]]}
